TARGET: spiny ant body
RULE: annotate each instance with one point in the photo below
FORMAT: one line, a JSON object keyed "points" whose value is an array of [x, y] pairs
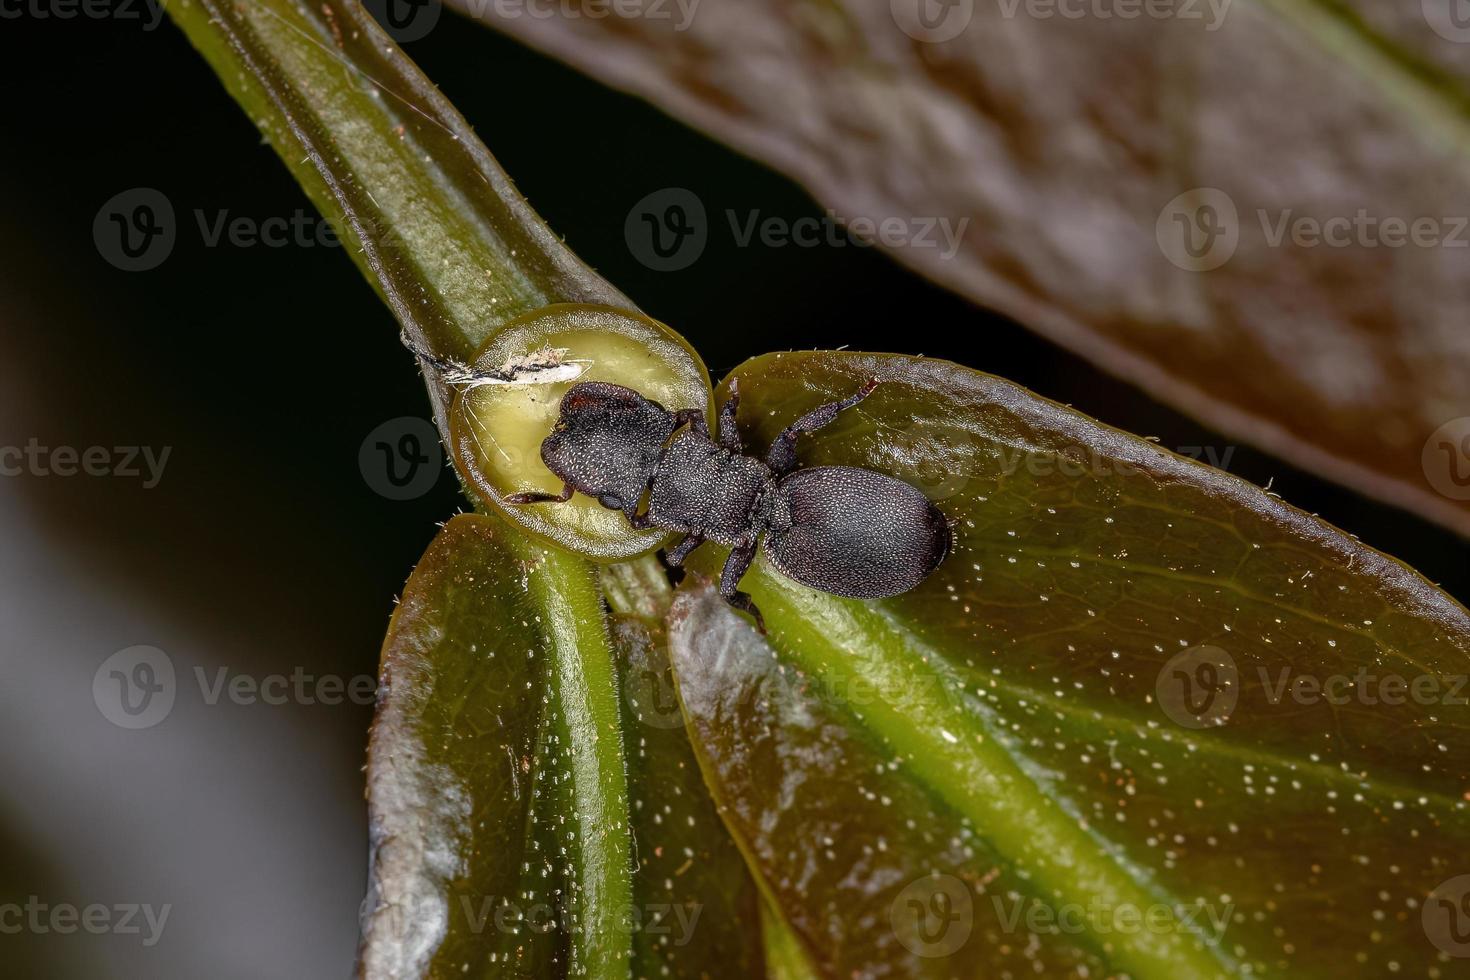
{"points": [[844, 530]]}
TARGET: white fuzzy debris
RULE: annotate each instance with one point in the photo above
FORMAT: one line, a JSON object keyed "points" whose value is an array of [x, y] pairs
{"points": [[545, 366], [549, 365]]}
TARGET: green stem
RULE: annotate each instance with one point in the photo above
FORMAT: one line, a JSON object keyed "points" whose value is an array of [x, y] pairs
{"points": [[585, 688]]}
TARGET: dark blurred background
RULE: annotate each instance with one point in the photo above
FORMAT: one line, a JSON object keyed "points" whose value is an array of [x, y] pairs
{"points": [[264, 548]]}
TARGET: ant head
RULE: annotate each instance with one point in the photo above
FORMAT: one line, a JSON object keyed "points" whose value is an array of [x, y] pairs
{"points": [[607, 441]]}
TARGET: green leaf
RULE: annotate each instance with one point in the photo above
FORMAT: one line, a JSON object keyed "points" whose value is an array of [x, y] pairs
{"points": [[1080, 712], [497, 798], [1146, 719], [1060, 154]]}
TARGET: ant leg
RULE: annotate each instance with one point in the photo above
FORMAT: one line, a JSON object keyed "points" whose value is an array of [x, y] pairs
{"points": [[735, 568], [782, 455], [682, 550], [534, 497], [729, 431], [694, 418]]}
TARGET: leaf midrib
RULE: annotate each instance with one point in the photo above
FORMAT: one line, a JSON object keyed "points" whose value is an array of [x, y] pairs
{"points": [[948, 768]]}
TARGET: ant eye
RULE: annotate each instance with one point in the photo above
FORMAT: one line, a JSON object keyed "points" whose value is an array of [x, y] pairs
{"points": [[611, 501]]}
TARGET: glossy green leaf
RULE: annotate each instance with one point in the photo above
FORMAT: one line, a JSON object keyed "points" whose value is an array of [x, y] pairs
{"points": [[1146, 720], [509, 834], [496, 786]]}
